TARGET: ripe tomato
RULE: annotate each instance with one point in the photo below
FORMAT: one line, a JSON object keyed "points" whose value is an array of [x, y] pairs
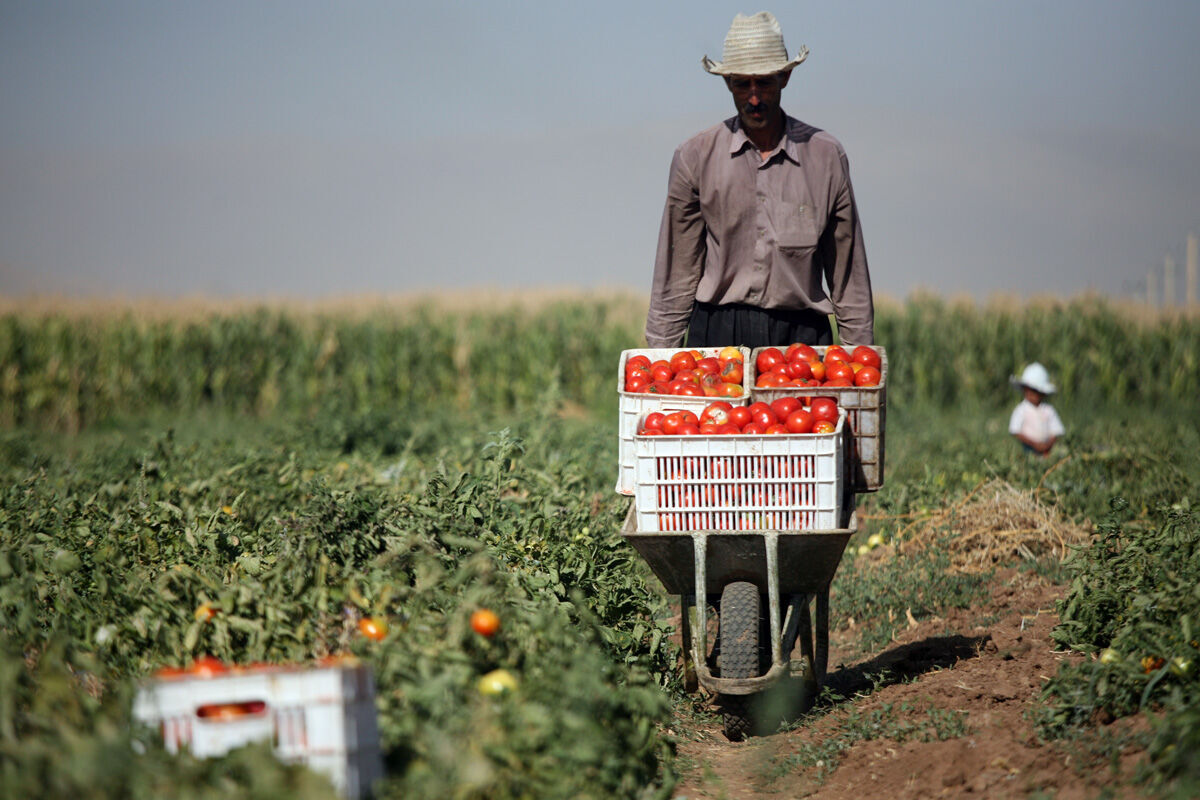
{"points": [[651, 432], [824, 408], [658, 387], [768, 358], [689, 429], [373, 628], [204, 612], [682, 360], [838, 369], [638, 361], [637, 382], [838, 382], [771, 380], [866, 356], [653, 420], [690, 390], [799, 369], [762, 414], [739, 415], [710, 365], [753, 429], [800, 352], [824, 426], [799, 421], [731, 390], [729, 354], [867, 376], [776, 429], [709, 428], [207, 666], [729, 429], [733, 371], [662, 371], [485, 622], [818, 370], [716, 413], [689, 375], [783, 406], [835, 352], [671, 423]]}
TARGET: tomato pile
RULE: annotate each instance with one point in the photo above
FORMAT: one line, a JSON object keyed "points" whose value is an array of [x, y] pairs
{"points": [[801, 365], [782, 415], [689, 373]]}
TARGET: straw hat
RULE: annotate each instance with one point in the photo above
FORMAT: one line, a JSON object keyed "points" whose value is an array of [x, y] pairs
{"points": [[1035, 377], [754, 46]]}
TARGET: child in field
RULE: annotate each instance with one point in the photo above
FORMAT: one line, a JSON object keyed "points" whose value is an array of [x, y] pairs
{"points": [[1034, 422]]}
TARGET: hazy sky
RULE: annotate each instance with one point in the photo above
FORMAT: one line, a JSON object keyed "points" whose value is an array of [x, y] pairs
{"points": [[307, 149]]}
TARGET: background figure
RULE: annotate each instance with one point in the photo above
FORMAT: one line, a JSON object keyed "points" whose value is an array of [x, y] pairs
{"points": [[1034, 422]]}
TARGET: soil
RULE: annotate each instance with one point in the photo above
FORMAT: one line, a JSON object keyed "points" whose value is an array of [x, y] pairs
{"points": [[988, 663]]}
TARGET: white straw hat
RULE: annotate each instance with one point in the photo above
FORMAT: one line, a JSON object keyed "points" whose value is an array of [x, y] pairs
{"points": [[754, 46], [1035, 377]]}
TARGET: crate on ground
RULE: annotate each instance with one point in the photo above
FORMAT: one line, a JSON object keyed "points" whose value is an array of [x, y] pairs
{"points": [[866, 407], [741, 482], [322, 716], [633, 406]]}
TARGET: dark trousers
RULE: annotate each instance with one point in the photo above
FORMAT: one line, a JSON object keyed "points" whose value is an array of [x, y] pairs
{"points": [[747, 326]]}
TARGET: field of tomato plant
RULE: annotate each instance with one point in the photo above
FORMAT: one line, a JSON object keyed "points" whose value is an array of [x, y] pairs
{"points": [[252, 486]]}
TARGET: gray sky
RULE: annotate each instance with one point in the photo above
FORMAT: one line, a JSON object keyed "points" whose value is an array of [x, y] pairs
{"points": [[308, 149]]}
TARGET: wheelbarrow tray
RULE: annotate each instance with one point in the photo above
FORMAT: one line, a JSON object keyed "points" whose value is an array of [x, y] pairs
{"points": [[797, 564]]}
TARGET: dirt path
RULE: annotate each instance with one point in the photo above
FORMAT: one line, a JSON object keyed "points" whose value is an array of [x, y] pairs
{"points": [[972, 676]]}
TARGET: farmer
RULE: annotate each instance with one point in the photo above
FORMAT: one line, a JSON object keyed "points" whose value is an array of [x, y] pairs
{"points": [[1034, 422], [760, 238]]}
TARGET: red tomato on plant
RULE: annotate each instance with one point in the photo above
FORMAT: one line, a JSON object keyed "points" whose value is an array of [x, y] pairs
{"points": [[866, 356], [373, 628], [485, 622], [768, 358]]}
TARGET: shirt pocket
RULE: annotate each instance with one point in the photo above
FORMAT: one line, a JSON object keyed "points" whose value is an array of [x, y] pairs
{"points": [[796, 229]]}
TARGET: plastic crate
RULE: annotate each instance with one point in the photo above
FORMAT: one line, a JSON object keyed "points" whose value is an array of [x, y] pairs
{"points": [[741, 482], [635, 405], [320, 716], [866, 407]]}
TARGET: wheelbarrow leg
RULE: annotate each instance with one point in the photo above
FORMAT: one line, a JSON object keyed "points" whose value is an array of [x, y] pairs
{"points": [[691, 682], [821, 664]]}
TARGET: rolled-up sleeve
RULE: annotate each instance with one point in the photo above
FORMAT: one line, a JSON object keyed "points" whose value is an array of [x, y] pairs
{"points": [[679, 261], [846, 274]]}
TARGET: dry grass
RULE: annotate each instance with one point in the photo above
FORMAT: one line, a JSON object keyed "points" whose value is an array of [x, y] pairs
{"points": [[479, 299], [993, 524]]}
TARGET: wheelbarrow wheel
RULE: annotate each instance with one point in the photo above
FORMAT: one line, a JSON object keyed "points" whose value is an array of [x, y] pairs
{"points": [[738, 653]]}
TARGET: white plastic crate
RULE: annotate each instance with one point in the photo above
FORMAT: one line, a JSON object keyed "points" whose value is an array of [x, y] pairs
{"points": [[787, 482], [866, 407], [320, 716], [635, 405]]}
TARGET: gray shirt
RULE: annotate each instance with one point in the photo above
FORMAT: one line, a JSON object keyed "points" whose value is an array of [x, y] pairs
{"points": [[740, 229]]}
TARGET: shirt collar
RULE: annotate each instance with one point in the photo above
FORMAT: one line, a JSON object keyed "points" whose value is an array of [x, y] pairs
{"points": [[739, 142]]}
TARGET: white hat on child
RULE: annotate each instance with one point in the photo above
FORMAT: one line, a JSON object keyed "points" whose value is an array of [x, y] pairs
{"points": [[1035, 377]]}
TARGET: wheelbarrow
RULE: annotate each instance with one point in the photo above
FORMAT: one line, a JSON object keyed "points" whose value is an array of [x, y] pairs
{"points": [[764, 585]]}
